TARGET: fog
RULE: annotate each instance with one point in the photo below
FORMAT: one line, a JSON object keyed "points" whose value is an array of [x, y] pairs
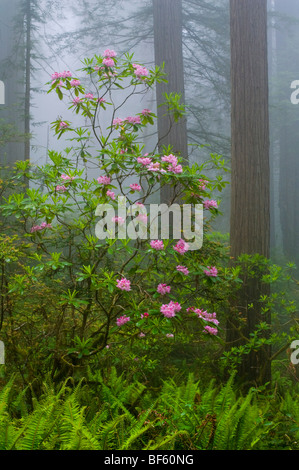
{"points": [[62, 35]]}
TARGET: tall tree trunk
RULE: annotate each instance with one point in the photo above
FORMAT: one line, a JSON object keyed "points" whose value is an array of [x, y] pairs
{"points": [[27, 80], [168, 49], [12, 74], [250, 183], [287, 71]]}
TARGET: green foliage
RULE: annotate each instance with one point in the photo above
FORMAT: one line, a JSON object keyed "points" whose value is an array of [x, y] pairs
{"points": [[112, 413]]}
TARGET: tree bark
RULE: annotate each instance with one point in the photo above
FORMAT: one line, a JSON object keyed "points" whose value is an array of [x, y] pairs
{"points": [[27, 80], [250, 179], [168, 49]]}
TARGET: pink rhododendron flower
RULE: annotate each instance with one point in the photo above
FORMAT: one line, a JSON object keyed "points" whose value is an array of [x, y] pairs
{"points": [[140, 71], [135, 187], [89, 96], [108, 62], [211, 330], [109, 53], [212, 272], [118, 220], [64, 74], [111, 194], [122, 320], [169, 335], [145, 112], [124, 284], [181, 247], [61, 188], [77, 100], [157, 244], [67, 177], [144, 160], [37, 228], [209, 204], [175, 169], [163, 289], [63, 125], [117, 122], [101, 100], [183, 270], [141, 335], [170, 159], [75, 82], [156, 167], [104, 180], [145, 314], [133, 119], [204, 315], [169, 310]]}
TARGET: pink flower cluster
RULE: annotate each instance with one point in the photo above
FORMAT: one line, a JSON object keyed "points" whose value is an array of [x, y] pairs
{"points": [[104, 180], [130, 119], [124, 284], [61, 188], [183, 270], [108, 62], [77, 100], [122, 320], [133, 119], [67, 177], [169, 310], [210, 204], [109, 54], [63, 125], [146, 161], [173, 167], [64, 74], [209, 317], [75, 82], [140, 71], [163, 289], [135, 187], [181, 247], [211, 330], [37, 228], [156, 167], [117, 122], [211, 272], [157, 245], [111, 194]]}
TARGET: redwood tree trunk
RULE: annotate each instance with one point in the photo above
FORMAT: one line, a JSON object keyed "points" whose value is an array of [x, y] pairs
{"points": [[27, 80], [250, 184], [168, 49]]}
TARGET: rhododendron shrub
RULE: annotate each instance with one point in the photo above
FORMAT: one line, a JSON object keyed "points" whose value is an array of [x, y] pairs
{"points": [[73, 298]]}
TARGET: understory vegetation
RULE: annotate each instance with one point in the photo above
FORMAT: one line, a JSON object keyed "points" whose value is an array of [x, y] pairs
{"points": [[119, 342]]}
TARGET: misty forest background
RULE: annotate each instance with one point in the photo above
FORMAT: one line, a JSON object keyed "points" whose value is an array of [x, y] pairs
{"points": [[236, 86]]}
